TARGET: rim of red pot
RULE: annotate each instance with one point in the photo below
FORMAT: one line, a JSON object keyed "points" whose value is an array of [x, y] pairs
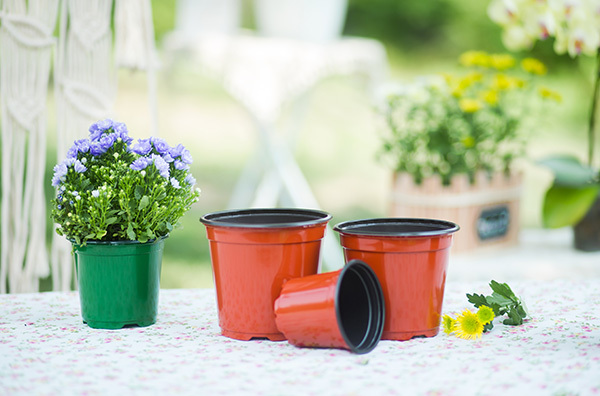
{"points": [[397, 227], [266, 218]]}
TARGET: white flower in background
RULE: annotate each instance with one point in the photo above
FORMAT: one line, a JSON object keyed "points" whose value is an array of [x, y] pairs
{"points": [[575, 24]]}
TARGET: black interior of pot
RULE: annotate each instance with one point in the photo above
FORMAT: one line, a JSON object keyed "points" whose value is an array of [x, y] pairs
{"points": [[266, 218], [360, 307]]}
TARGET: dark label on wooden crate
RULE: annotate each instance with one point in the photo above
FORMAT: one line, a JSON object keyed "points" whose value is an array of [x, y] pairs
{"points": [[493, 223]]}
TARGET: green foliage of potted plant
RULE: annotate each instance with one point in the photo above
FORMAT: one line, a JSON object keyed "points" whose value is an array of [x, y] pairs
{"points": [[465, 131], [573, 199], [462, 124], [117, 202]]}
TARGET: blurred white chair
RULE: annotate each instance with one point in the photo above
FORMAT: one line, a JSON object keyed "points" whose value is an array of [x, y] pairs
{"points": [[265, 74]]}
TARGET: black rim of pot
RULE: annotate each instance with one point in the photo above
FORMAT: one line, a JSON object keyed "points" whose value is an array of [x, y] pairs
{"points": [[266, 218], [398, 227], [360, 321]]}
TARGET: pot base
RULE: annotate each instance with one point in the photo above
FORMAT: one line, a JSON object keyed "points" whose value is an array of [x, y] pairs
{"points": [[118, 325], [249, 336], [407, 335]]}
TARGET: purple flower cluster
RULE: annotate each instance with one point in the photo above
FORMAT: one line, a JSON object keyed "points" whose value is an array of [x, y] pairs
{"points": [[161, 147], [156, 150], [103, 135], [143, 162], [103, 127], [61, 170]]}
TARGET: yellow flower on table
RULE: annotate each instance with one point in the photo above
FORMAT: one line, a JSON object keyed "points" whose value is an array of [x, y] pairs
{"points": [[485, 314], [468, 326], [448, 324]]}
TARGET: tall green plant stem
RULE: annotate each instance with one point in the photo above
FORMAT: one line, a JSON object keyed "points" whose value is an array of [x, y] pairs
{"points": [[593, 110]]}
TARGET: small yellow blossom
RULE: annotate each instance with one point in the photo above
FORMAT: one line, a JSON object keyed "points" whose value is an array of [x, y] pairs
{"points": [[490, 97], [468, 105], [475, 58], [485, 314], [468, 326], [547, 93], [533, 66], [448, 324], [501, 82], [502, 61]]}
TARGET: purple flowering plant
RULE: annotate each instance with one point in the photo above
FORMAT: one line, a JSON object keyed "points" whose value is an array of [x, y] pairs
{"points": [[110, 188]]}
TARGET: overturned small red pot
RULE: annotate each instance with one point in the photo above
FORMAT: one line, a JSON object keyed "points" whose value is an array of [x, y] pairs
{"points": [[253, 251], [410, 258], [341, 309]]}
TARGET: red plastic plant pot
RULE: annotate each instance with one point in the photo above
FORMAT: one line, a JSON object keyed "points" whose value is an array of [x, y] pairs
{"points": [[340, 309], [253, 251], [410, 258]]}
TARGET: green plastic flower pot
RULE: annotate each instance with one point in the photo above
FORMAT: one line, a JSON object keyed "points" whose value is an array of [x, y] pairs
{"points": [[119, 282]]}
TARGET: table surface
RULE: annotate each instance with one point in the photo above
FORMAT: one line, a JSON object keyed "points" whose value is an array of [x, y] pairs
{"points": [[46, 349]]}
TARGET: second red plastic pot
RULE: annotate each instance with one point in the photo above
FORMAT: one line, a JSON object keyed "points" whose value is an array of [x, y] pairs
{"points": [[410, 258]]}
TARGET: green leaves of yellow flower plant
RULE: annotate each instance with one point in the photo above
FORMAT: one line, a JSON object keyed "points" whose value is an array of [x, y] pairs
{"points": [[503, 301]]}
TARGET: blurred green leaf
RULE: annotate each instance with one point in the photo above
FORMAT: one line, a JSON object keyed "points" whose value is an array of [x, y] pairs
{"points": [[565, 206], [569, 171], [144, 202]]}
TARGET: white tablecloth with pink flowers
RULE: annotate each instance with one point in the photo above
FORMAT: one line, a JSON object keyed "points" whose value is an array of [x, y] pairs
{"points": [[45, 349]]}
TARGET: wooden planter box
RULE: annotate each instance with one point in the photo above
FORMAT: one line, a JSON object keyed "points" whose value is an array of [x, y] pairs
{"points": [[486, 211]]}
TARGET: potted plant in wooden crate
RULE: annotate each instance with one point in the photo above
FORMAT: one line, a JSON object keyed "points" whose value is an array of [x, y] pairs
{"points": [[117, 202], [452, 142]]}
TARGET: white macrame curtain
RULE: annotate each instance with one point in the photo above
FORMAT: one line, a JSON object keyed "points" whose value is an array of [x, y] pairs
{"points": [[85, 67], [26, 45]]}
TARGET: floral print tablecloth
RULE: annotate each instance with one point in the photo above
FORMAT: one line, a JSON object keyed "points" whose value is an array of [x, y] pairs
{"points": [[45, 349]]}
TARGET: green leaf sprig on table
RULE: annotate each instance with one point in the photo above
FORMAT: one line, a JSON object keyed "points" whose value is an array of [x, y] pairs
{"points": [[504, 302]]}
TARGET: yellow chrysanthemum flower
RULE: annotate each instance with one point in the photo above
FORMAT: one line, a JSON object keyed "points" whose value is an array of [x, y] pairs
{"points": [[468, 326], [468, 105], [502, 61], [475, 58], [533, 66], [547, 93], [485, 314], [490, 97], [448, 324], [501, 82]]}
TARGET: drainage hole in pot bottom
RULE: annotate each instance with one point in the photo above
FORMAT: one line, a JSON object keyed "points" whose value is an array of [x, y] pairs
{"points": [[354, 309]]}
